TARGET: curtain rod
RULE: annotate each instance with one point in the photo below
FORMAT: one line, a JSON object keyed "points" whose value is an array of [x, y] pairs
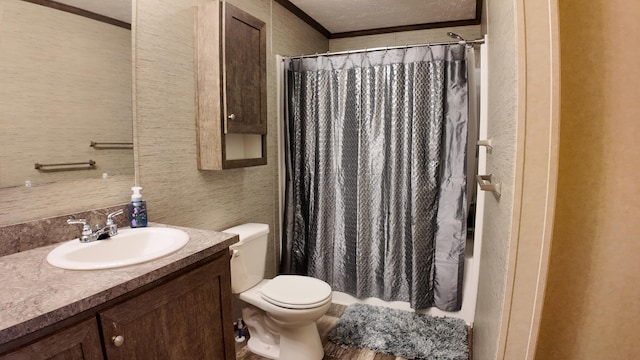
{"points": [[467, 42]]}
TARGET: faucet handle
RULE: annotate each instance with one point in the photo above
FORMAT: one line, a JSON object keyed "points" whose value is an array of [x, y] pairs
{"points": [[86, 228], [110, 216], [113, 228]]}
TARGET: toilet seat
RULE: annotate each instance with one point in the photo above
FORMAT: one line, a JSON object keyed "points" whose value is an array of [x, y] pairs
{"points": [[296, 292]]}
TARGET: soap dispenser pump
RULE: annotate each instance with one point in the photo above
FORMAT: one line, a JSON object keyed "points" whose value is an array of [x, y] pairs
{"points": [[137, 209]]}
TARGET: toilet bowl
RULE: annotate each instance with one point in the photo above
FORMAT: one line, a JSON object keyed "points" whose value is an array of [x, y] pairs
{"points": [[280, 313]]}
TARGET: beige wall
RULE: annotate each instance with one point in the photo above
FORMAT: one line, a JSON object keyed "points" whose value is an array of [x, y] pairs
{"points": [[501, 162], [591, 305], [176, 192], [471, 32]]}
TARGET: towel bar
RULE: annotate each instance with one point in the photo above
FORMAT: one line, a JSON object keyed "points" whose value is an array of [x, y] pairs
{"points": [[88, 165], [111, 145]]}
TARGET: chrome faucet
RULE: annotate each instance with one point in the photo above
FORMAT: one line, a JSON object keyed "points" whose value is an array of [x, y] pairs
{"points": [[110, 229]]}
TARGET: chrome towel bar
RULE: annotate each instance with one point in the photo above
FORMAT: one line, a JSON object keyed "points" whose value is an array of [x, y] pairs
{"points": [[484, 181]]}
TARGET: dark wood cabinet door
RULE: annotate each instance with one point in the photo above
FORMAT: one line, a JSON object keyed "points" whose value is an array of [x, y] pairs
{"points": [[245, 72], [189, 317], [231, 87], [77, 342]]}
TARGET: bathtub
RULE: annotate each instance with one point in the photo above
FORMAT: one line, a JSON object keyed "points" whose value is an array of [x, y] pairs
{"points": [[469, 295]]}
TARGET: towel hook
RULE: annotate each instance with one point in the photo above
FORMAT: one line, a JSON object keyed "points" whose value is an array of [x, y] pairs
{"points": [[488, 143], [484, 181]]}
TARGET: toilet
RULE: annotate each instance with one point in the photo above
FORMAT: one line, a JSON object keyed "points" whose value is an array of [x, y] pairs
{"points": [[280, 313]]}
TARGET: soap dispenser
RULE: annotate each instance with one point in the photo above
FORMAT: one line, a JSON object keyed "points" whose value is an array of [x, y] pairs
{"points": [[137, 209]]}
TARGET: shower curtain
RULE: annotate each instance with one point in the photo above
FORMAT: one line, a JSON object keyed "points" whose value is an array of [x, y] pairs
{"points": [[375, 200]]}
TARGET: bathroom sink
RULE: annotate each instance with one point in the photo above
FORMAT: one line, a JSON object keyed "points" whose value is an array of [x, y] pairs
{"points": [[128, 247]]}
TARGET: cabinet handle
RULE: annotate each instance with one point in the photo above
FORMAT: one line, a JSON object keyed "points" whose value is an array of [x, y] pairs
{"points": [[117, 340], [232, 117]]}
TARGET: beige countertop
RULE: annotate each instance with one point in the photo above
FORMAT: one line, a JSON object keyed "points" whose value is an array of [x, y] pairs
{"points": [[35, 294]]}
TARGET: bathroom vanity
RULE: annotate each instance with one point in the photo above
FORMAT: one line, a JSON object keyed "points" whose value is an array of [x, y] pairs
{"points": [[175, 307]]}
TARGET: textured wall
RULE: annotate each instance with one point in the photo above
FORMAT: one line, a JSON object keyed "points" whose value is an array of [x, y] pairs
{"points": [[591, 305], [63, 70], [176, 191], [404, 38], [502, 127]]}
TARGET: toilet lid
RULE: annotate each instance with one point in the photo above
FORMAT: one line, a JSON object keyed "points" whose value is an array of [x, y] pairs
{"points": [[296, 292]]}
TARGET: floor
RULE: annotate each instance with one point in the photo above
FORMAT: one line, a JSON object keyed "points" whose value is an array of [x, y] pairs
{"points": [[331, 350]]}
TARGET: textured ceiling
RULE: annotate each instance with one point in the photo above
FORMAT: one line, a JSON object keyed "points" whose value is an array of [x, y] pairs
{"points": [[339, 16]]}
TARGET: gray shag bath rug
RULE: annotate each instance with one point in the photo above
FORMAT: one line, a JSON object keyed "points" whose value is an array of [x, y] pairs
{"points": [[402, 333]]}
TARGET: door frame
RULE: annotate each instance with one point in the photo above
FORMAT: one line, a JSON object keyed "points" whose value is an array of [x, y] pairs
{"points": [[538, 51]]}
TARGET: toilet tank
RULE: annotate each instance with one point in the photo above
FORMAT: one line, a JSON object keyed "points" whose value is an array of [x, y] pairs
{"points": [[248, 256]]}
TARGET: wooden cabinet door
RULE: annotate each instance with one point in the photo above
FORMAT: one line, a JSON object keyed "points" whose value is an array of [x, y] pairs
{"points": [[78, 342], [231, 87], [189, 317], [245, 72]]}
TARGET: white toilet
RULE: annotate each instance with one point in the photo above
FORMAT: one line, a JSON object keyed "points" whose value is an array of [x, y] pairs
{"points": [[281, 313]]}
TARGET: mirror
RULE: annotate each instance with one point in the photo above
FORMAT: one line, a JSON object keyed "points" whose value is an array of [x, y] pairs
{"points": [[66, 84]]}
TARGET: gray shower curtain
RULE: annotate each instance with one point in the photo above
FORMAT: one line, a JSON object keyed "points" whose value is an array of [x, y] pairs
{"points": [[375, 156]]}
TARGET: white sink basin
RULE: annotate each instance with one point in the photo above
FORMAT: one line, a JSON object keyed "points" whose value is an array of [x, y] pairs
{"points": [[130, 246]]}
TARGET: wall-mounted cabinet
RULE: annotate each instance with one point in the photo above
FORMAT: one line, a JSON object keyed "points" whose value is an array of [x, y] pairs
{"points": [[231, 95]]}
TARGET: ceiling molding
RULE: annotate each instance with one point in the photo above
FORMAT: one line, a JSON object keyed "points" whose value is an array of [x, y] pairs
{"points": [[80, 12], [304, 17], [376, 31], [393, 29]]}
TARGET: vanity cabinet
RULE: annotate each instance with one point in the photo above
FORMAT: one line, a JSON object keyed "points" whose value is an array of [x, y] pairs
{"points": [[230, 66], [188, 316], [182, 319]]}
